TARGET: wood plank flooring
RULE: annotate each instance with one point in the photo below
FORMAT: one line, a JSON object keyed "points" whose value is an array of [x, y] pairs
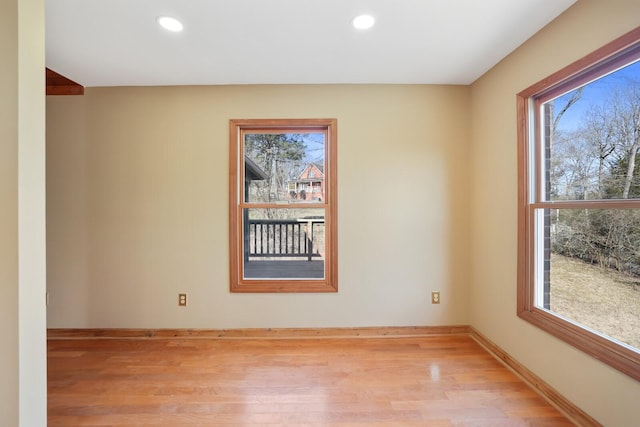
{"points": [[400, 381]]}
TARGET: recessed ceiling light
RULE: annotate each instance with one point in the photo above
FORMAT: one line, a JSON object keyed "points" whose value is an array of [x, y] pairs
{"points": [[170, 24], [364, 22]]}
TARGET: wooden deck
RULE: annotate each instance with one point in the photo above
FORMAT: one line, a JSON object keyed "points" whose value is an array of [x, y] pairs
{"points": [[293, 269], [401, 381]]}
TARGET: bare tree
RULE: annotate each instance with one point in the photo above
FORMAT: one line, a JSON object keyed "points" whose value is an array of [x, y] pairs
{"points": [[599, 135], [599, 160], [573, 98], [625, 108], [557, 140]]}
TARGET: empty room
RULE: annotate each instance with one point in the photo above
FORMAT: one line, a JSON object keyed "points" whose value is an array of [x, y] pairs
{"points": [[320, 213]]}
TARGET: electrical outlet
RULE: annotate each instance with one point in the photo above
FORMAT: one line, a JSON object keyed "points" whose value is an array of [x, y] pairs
{"points": [[182, 300], [435, 297]]}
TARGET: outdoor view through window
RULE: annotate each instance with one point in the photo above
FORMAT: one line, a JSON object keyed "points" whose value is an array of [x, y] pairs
{"points": [[284, 169], [587, 214]]}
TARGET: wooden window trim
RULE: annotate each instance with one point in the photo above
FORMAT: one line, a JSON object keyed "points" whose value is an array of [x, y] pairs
{"points": [[603, 60], [236, 173]]}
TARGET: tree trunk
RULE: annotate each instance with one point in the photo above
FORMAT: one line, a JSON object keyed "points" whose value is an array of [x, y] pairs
{"points": [[630, 169], [631, 166]]}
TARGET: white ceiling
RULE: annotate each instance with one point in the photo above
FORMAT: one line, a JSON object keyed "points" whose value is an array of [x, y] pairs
{"points": [[118, 42]]}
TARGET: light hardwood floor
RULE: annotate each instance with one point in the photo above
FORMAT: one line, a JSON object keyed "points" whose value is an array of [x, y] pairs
{"points": [[393, 381]]}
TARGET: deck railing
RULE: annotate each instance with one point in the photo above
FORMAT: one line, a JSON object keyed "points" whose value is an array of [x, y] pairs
{"points": [[278, 238]]}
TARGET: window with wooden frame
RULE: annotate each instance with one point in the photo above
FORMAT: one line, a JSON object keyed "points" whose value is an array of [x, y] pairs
{"points": [[579, 204], [283, 205]]}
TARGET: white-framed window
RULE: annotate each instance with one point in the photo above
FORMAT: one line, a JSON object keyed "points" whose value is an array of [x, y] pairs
{"points": [[579, 204], [279, 239]]}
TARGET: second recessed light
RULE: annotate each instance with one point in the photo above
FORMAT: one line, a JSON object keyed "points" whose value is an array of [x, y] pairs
{"points": [[364, 22], [170, 24]]}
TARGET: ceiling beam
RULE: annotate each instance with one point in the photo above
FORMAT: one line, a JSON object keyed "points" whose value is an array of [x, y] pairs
{"points": [[60, 85]]}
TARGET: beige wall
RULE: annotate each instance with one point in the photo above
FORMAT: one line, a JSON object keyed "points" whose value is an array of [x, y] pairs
{"points": [[23, 390], [609, 396], [9, 386], [137, 206], [67, 254]]}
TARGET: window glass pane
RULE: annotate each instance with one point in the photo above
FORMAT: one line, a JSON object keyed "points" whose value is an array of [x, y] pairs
{"points": [[592, 139], [592, 269], [284, 243], [284, 168]]}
